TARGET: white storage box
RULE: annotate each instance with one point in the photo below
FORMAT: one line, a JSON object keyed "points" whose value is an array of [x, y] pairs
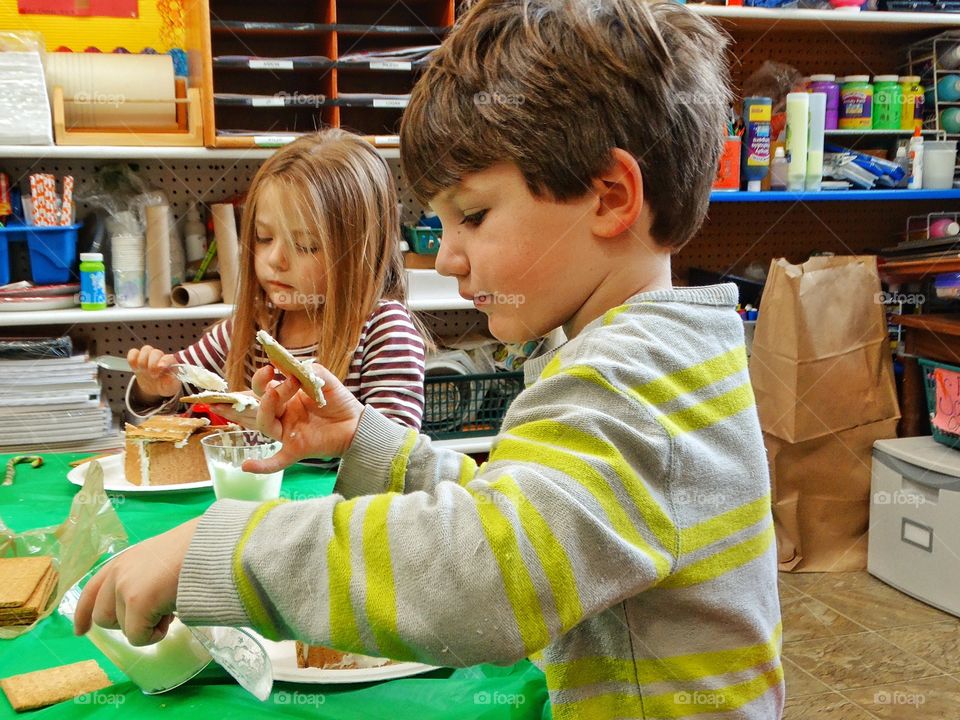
{"points": [[914, 537]]}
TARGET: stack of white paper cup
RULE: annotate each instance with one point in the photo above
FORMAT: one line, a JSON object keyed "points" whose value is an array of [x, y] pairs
{"points": [[129, 257]]}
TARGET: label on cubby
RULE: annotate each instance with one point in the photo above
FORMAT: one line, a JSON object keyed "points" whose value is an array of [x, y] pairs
{"points": [[270, 64], [386, 139], [272, 140], [390, 65], [389, 103], [267, 102]]}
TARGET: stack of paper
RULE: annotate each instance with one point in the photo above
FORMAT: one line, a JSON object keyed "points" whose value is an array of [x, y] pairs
{"points": [[49, 403]]}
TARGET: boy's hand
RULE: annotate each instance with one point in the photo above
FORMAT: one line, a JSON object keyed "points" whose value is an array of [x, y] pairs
{"points": [[291, 416], [137, 591], [151, 366]]}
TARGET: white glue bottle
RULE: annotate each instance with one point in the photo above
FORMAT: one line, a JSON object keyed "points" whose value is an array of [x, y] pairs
{"points": [[915, 152]]}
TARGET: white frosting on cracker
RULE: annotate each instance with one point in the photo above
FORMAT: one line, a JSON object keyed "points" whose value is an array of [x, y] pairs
{"points": [[239, 401], [201, 378]]}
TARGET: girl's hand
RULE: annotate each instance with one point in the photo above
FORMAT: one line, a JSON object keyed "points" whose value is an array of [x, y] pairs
{"points": [[151, 366], [136, 592], [290, 415]]}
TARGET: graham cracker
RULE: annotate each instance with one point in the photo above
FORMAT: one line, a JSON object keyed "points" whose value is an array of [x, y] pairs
{"points": [[19, 577], [45, 687], [31, 610], [286, 363], [168, 428]]}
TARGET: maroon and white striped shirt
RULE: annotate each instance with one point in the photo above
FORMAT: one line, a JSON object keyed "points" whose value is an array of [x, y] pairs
{"points": [[386, 371]]}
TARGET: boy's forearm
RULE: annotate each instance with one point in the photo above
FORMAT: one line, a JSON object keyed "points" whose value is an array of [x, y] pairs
{"points": [[387, 457]]}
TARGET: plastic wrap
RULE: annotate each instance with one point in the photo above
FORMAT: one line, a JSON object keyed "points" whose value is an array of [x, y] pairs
{"points": [[35, 348], [91, 529]]}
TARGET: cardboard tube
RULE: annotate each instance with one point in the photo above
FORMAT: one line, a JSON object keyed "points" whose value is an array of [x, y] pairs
{"points": [[158, 256], [225, 232], [196, 293]]}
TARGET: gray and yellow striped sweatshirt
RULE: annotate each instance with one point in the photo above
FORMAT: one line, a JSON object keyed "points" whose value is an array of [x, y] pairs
{"points": [[620, 534]]}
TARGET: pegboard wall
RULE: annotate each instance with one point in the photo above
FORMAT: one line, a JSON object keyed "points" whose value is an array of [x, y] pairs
{"points": [[817, 51]]}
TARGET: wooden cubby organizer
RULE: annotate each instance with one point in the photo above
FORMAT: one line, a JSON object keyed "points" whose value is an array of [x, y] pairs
{"points": [[270, 71]]}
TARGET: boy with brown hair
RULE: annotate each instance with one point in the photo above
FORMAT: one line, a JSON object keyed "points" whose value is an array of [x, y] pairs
{"points": [[620, 534]]}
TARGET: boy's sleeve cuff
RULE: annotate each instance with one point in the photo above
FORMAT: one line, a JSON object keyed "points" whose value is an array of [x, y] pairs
{"points": [[206, 592], [366, 467]]}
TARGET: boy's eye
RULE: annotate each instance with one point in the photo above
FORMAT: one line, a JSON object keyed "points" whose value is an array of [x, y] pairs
{"points": [[474, 219]]}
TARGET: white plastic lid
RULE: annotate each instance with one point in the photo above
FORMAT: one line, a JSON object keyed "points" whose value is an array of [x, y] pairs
{"points": [[823, 78], [857, 78], [91, 257], [886, 78], [910, 78], [780, 152], [753, 186]]}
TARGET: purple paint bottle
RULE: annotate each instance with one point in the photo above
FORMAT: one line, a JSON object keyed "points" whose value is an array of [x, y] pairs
{"points": [[827, 84]]}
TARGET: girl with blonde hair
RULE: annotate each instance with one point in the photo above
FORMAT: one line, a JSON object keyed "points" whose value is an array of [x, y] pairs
{"points": [[321, 271]]}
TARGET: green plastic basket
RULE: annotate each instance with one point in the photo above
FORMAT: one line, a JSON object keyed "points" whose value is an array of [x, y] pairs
{"points": [[422, 240], [930, 386], [457, 406]]}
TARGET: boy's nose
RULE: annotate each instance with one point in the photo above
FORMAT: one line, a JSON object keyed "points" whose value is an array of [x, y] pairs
{"points": [[450, 261]]}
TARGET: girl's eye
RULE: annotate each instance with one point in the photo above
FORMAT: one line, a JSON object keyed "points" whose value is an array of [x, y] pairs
{"points": [[307, 249], [474, 219], [262, 240]]}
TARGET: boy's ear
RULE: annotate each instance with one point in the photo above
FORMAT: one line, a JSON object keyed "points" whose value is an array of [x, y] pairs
{"points": [[619, 191]]}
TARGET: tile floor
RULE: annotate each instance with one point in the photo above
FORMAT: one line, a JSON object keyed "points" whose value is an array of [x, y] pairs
{"points": [[855, 648]]}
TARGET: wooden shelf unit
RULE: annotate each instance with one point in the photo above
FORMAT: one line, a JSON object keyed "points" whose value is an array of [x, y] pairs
{"points": [[287, 87], [736, 235]]}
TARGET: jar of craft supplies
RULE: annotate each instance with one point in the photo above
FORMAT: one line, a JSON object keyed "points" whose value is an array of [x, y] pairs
{"points": [[856, 103]]}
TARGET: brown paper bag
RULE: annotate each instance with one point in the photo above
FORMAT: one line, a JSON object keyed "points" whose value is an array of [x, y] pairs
{"points": [[821, 355], [821, 498], [823, 378]]}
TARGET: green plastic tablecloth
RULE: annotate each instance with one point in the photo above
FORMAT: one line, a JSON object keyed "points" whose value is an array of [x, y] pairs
{"points": [[41, 497]]}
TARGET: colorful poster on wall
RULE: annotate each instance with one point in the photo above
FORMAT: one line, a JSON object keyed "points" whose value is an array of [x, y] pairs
{"points": [[82, 8]]}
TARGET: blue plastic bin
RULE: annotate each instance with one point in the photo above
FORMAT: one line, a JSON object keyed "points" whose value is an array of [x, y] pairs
{"points": [[53, 251]]}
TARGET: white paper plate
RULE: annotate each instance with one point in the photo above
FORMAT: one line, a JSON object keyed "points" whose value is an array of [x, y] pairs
{"points": [[283, 656], [114, 479], [17, 304]]}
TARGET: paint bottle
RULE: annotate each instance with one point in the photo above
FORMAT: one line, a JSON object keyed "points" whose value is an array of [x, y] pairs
{"points": [[856, 103], [948, 89], [887, 102], [818, 109], [757, 112], [911, 102], [949, 59], [778, 169], [798, 122], [828, 85], [915, 152], [950, 120], [93, 285], [944, 227]]}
